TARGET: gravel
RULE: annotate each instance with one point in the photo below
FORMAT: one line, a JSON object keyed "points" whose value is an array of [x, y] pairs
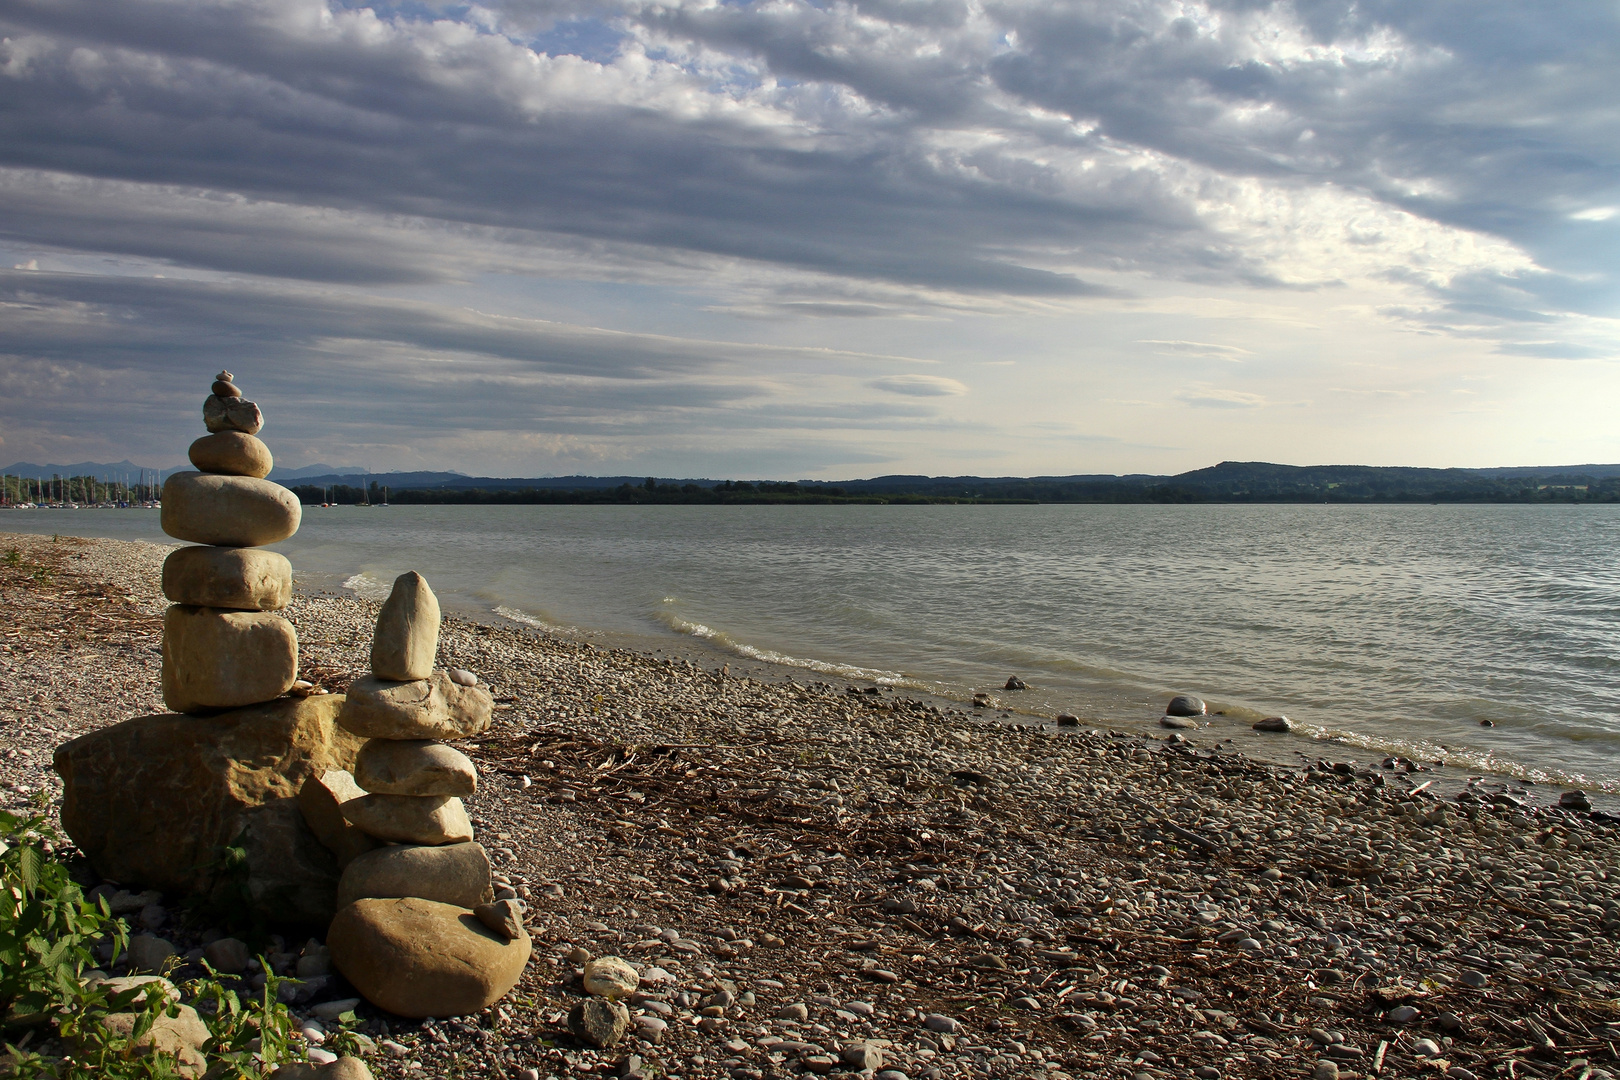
{"points": [[814, 877]]}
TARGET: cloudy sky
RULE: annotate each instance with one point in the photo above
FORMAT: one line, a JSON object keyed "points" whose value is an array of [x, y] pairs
{"points": [[814, 238]]}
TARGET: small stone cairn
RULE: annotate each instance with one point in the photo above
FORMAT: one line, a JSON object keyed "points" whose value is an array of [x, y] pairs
{"points": [[418, 930], [223, 645]]}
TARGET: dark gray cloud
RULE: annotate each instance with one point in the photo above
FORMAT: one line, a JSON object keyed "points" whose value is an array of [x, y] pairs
{"points": [[306, 171], [832, 139], [352, 373]]}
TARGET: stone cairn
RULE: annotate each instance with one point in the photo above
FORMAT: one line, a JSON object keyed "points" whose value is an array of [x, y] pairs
{"points": [[223, 645], [158, 799], [418, 930], [383, 855]]}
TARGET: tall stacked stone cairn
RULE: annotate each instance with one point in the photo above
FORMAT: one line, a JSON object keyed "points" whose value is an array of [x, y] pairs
{"points": [[156, 800], [417, 930], [224, 646]]}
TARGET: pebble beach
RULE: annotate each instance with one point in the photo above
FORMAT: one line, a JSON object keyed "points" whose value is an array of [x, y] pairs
{"points": [[826, 877]]}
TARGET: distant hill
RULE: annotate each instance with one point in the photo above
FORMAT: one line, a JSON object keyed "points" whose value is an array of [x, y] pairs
{"points": [[358, 478], [1230, 481], [106, 472], [281, 475]]}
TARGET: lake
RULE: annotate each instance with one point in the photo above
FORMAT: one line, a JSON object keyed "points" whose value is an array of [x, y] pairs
{"points": [[1396, 629]]}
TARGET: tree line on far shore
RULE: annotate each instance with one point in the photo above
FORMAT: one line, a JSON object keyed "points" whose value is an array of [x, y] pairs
{"points": [[650, 492], [654, 492]]}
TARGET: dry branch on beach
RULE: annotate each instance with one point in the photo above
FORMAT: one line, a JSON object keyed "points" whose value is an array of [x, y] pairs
{"points": [[813, 870]]}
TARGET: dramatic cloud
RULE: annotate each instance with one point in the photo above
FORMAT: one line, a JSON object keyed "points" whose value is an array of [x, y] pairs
{"points": [[656, 234]]}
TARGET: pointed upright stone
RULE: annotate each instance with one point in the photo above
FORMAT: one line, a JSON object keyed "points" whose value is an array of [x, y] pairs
{"points": [[407, 637]]}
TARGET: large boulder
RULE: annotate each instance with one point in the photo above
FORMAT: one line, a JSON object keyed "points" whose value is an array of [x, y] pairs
{"points": [[215, 659], [239, 579], [451, 874], [231, 453], [289, 876], [230, 511], [407, 635], [432, 708], [414, 767], [155, 799], [419, 958]]}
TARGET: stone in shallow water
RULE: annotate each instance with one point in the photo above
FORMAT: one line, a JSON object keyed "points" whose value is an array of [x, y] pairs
{"points": [[1274, 723], [418, 958], [1185, 705], [231, 453], [215, 659], [414, 767], [1179, 722], [229, 511], [407, 635], [411, 819], [238, 579]]}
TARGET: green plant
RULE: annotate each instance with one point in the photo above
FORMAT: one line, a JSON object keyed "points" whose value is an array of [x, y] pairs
{"points": [[345, 1040], [14, 558], [245, 1031], [104, 1052], [47, 928]]}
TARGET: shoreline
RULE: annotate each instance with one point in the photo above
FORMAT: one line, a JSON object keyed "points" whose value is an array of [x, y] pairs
{"points": [[1307, 744], [850, 866]]}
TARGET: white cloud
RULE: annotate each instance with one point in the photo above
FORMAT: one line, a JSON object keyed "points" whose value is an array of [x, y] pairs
{"points": [[1210, 397], [918, 385], [1230, 353]]}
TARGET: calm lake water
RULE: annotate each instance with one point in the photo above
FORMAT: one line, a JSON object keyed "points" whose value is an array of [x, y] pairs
{"points": [[1395, 629]]}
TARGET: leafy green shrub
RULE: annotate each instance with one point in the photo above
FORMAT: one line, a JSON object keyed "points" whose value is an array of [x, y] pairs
{"points": [[47, 928], [47, 932]]}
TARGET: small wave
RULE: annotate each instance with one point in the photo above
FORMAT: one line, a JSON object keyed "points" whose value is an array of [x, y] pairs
{"points": [[512, 614], [363, 584], [1467, 758], [770, 656]]}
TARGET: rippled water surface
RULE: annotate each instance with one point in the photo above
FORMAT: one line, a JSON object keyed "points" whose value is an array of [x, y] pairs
{"points": [[1397, 628]]}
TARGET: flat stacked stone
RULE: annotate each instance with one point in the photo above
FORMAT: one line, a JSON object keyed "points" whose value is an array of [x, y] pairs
{"points": [[416, 930], [223, 645]]}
